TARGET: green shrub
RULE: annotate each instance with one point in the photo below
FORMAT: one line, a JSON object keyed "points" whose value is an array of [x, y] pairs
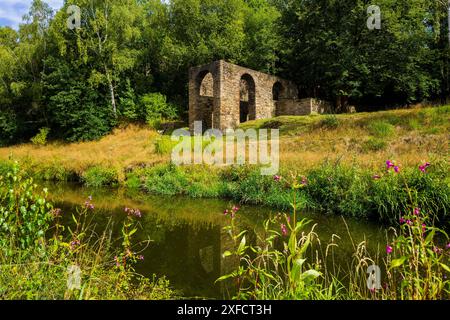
{"points": [[127, 103], [99, 176], [133, 181], [381, 129], [374, 144], [41, 138], [247, 185], [330, 122], [166, 180], [157, 109], [164, 145], [36, 250], [24, 213], [8, 126]]}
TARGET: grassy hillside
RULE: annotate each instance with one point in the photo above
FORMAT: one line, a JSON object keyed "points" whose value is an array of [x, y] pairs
{"points": [[408, 136]]}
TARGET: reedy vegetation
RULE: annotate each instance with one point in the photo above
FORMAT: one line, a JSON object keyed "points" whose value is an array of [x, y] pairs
{"points": [[289, 261], [37, 250]]}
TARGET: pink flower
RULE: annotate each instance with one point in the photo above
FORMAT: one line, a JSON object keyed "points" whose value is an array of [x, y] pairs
{"points": [[277, 178], [389, 164], [133, 212], [376, 177], [409, 222], [116, 259], [437, 250], [284, 230], [416, 211], [225, 212], [402, 220], [424, 167], [397, 169], [447, 246], [389, 249]]}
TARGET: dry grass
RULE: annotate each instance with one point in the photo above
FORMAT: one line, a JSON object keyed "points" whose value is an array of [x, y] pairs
{"points": [[130, 146]]}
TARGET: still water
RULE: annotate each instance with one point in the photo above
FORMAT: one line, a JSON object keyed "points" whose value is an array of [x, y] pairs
{"points": [[187, 237]]}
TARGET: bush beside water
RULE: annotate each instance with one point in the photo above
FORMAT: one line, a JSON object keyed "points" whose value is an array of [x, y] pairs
{"points": [[37, 251]]}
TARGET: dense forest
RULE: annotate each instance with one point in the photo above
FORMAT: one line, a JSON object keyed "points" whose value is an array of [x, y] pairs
{"points": [[129, 59]]}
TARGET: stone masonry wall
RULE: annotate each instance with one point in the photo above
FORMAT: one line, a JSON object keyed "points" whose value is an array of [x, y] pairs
{"points": [[232, 84]]}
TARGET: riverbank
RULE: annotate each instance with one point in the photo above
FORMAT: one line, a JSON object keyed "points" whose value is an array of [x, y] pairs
{"points": [[340, 161]]}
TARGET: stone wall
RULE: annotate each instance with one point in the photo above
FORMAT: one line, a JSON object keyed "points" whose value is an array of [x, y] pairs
{"points": [[223, 95], [301, 107]]}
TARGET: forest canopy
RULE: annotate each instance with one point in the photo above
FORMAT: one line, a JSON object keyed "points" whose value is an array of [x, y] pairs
{"points": [[129, 59]]}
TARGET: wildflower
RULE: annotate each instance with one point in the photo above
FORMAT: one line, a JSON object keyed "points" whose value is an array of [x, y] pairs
{"points": [[447, 246], [397, 169], [373, 289], [133, 212], [424, 227], [74, 244], [277, 178], [88, 204], [389, 164], [416, 211], [389, 249], [235, 209], [137, 213], [140, 257], [116, 259], [424, 167], [402, 220], [284, 229], [437, 250], [304, 181], [409, 222], [376, 177], [226, 212]]}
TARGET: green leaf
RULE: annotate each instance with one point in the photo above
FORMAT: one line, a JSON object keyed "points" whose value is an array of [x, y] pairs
{"points": [[398, 262], [445, 267], [226, 254], [241, 247]]}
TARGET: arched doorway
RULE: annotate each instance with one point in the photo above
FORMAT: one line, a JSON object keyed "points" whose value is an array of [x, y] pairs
{"points": [[277, 94], [247, 109], [205, 102]]}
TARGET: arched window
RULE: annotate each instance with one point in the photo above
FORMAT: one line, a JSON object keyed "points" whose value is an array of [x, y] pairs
{"points": [[277, 91], [247, 109], [207, 86]]}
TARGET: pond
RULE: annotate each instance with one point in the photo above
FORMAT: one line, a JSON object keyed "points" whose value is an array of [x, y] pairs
{"points": [[187, 237]]}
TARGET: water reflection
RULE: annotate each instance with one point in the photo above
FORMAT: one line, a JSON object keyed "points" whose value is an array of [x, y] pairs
{"points": [[187, 237]]}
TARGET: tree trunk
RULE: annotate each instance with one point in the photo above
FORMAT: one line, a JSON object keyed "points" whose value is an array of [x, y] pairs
{"points": [[111, 89]]}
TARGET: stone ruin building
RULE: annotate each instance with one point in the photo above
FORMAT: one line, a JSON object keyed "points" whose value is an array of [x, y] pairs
{"points": [[223, 95]]}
